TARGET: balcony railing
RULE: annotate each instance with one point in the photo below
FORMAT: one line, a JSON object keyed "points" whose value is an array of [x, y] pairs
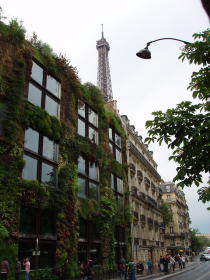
{"points": [[147, 182], [142, 218]]}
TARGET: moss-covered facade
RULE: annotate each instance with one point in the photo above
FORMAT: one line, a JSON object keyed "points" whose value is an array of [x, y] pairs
{"points": [[63, 175]]}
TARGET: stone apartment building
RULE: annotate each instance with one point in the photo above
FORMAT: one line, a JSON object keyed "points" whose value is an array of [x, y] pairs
{"points": [[177, 235], [144, 181]]}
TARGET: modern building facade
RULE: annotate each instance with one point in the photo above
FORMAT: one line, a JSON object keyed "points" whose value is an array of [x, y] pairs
{"points": [[177, 233], [146, 195]]}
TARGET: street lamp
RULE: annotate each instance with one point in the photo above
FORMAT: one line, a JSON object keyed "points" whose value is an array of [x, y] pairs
{"points": [[146, 54]]}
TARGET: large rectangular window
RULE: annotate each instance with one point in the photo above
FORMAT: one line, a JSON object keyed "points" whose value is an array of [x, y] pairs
{"points": [[37, 236], [87, 122], [44, 90], [88, 179], [41, 157], [89, 242], [117, 185], [115, 144]]}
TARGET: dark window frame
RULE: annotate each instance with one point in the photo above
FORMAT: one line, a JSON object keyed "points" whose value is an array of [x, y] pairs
{"points": [[114, 187], [88, 242], [87, 178], [112, 141], [43, 87], [41, 158], [85, 119]]}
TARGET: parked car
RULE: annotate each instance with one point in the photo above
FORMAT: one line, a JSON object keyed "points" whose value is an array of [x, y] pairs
{"points": [[205, 257]]}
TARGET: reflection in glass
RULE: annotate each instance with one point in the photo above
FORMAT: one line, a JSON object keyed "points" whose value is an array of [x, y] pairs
{"points": [[93, 191], [118, 140], [27, 220], [93, 135], [31, 140], [30, 168], [53, 86], [81, 108], [118, 155], [37, 73], [34, 95], [110, 134], [92, 117], [81, 127], [82, 229], [50, 149], [93, 171], [49, 175], [51, 106], [112, 181], [81, 165], [82, 188], [119, 185], [47, 223]]}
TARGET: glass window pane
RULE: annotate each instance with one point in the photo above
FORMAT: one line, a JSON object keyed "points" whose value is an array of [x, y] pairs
{"points": [[30, 168], [28, 220], [47, 223], [50, 149], [81, 108], [31, 140], [112, 181], [110, 134], [93, 171], [82, 187], [26, 248], [93, 191], [81, 128], [49, 175], [120, 200], [118, 156], [47, 254], [52, 107], [92, 117], [117, 140], [82, 229], [81, 165], [119, 185], [34, 95], [95, 253], [93, 135], [111, 146], [37, 73], [53, 86], [82, 253]]}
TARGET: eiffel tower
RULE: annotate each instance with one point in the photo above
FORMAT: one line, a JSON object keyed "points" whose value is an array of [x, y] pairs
{"points": [[103, 76]]}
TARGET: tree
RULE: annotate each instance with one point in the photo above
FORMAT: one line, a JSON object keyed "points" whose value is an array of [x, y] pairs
{"points": [[167, 213], [186, 128], [198, 242]]}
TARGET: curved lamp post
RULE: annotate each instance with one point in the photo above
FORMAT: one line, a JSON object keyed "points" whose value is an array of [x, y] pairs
{"points": [[146, 54]]}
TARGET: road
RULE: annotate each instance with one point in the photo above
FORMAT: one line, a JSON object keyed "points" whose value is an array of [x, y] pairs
{"points": [[201, 272]]}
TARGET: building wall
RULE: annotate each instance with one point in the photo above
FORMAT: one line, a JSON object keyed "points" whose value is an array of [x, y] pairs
{"points": [[177, 233], [144, 180]]}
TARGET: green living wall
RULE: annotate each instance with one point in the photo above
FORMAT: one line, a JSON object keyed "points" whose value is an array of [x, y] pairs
{"points": [[16, 115]]}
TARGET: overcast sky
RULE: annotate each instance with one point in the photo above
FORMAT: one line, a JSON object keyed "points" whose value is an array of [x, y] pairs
{"points": [[139, 86]]}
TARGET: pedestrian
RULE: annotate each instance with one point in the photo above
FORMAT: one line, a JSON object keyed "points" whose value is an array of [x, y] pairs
{"points": [[132, 270], [172, 263], [18, 269], [87, 272], [4, 269], [161, 263], [27, 268], [180, 262], [165, 264], [150, 266], [122, 268], [183, 261], [140, 267]]}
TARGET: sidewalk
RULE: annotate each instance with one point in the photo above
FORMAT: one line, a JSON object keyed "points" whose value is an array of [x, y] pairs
{"points": [[189, 266], [161, 275]]}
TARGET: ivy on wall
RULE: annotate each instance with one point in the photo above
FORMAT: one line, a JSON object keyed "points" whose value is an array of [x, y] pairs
{"points": [[18, 114]]}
